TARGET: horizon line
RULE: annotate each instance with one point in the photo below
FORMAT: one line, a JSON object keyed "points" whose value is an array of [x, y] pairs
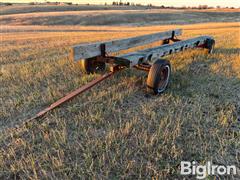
{"points": [[110, 4]]}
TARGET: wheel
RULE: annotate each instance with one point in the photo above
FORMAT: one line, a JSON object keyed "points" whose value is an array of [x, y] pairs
{"points": [[210, 45], [158, 76], [91, 65]]}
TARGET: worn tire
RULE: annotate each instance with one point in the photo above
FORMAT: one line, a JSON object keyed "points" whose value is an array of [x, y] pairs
{"points": [[210, 44], [90, 65], [159, 76]]}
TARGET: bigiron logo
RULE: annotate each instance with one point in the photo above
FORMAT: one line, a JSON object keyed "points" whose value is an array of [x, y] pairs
{"points": [[201, 171]]}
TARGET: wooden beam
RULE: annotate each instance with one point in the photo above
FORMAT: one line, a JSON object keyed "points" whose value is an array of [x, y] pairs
{"points": [[152, 54], [84, 51]]}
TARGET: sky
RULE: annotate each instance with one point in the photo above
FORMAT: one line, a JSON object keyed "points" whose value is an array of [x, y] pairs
{"points": [[179, 3]]}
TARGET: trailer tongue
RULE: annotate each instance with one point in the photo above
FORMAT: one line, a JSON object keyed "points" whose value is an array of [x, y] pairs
{"points": [[93, 59]]}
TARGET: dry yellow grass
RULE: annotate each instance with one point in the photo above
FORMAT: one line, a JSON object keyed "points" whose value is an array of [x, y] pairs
{"points": [[114, 130], [18, 9]]}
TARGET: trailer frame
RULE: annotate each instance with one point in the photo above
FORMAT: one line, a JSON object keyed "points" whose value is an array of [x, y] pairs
{"points": [[149, 60]]}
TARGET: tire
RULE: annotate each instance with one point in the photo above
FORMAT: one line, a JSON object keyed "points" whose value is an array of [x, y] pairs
{"points": [[210, 44], [91, 65], [159, 76]]}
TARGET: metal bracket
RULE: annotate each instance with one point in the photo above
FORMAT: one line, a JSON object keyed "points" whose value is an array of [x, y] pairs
{"points": [[173, 34], [103, 50], [143, 67], [116, 68], [174, 38], [117, 61]]}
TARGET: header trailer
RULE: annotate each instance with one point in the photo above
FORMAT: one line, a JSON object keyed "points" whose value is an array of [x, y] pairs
{"points": [[94, 58]]}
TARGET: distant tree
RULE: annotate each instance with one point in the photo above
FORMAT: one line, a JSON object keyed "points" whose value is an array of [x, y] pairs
{"points": [[120, 3], [203, 7]]}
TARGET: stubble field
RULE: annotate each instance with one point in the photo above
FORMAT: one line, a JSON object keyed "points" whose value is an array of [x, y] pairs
{"points": [[115, 130]]}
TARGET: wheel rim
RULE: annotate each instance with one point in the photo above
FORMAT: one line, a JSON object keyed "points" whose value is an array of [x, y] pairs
{"points": [[98, 67], [164, 74]]}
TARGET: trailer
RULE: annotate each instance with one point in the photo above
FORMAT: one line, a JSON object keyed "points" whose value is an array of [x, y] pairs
{"points": [[96, 58]]}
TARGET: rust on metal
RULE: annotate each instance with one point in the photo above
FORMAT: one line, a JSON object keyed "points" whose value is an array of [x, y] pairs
{"points": [[143, 67], [139, 60], [76, 92]]}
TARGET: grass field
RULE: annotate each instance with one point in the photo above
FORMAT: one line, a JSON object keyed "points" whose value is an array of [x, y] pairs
{"points": [[116, 130], [119, 17], [24, 8]]}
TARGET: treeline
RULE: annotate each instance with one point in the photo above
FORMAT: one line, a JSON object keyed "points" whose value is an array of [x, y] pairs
{"points": [[120, 3], [205, 7], [50, 3]]}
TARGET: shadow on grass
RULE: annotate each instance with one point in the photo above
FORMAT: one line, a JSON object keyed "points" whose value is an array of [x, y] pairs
{"points": [[228, 51], [209, 102]]}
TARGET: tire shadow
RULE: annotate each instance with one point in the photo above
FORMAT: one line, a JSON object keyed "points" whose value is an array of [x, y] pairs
{"points": [[228, 51]]}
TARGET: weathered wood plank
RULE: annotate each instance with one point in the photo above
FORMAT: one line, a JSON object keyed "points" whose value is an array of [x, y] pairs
{"points": [[152, 54], [84, 51]]}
